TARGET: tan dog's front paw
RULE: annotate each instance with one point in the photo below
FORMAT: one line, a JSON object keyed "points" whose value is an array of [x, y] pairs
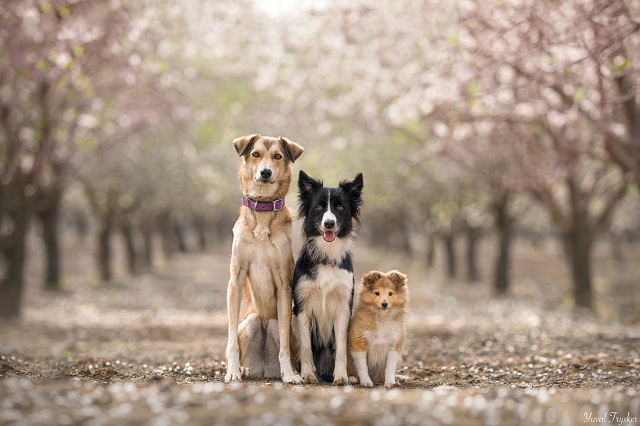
{"points": [[245, 373], [233, 376], [293, 379], [353, 380], [391, 385]]}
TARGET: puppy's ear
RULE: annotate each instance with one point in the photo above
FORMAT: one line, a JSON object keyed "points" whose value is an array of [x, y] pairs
{"points": [[291, 149], [370, 278], [354, 189], [244, 144], [397, 278]]}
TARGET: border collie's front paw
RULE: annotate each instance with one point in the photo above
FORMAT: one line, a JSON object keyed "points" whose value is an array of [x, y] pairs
{"points": [[341, 380], [366, 382], [309, 378]]}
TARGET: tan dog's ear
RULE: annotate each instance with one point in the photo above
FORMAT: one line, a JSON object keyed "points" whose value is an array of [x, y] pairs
{"points": [[397, 278], [245, 143], [292, 149], [370, 278]]}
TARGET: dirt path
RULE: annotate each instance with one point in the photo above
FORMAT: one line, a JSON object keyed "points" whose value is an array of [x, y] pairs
{"points": [[151, 350]]}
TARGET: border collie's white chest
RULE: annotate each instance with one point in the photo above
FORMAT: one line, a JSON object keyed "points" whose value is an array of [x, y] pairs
{"points": [[330, 289], [323, 296]]}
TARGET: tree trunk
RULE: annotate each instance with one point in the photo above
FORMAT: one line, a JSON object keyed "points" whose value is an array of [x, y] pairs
{"points": [[504, 228], [14, 249], [449, 246], [130, 247], [167, 235], [147, 243], [12, 285], [201, 229], [179, 235], [104, 248], [577, 243], [49, 215], [81, 224], [473, 235], [431, 250]]}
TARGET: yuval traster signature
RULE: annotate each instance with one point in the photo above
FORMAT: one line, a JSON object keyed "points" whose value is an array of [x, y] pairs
{"points": [[610, 417]]}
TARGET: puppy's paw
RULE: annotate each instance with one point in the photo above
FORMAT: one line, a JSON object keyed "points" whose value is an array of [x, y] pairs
{"points": [[353, 380], [340, 380], [309, 378], [391, 385], [293, 379]]}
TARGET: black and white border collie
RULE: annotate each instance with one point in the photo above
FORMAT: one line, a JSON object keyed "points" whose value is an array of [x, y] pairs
{"points": [[323, 282]]}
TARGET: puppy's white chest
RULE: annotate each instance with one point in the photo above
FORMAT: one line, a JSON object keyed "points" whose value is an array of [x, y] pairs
{"points": [[387, 333]]}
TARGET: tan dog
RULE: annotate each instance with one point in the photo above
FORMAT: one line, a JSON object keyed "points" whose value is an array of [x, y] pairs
{"points": [[259, 292], [377, 329]]}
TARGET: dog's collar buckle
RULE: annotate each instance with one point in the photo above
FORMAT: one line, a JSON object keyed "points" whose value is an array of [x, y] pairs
{"points": [[263, 206]]}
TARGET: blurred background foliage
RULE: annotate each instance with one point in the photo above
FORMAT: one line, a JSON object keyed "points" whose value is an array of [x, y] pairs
{"points": [[469, 121]]}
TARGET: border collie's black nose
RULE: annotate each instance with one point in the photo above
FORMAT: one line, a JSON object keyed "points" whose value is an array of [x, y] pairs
{"points": [[385, 304], [329, 223], [265, 173]]}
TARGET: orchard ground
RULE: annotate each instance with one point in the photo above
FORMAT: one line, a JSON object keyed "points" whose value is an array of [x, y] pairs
{"points": [[150, 349]]}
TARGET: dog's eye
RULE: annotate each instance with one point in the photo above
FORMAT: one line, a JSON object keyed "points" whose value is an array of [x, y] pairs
{"points": [[339, 207], [377, 293], [277, 156], [390, 293], [256, 154], [319, 207]]}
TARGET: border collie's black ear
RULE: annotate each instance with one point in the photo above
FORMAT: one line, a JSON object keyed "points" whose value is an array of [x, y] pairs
{"points": [[354, 189], [370, 278], [307, 185], [291, 149], [245, 143], [397, 278]]}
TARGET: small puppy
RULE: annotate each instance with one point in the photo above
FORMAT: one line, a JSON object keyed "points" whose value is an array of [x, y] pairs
{"points": [[377, 329]]}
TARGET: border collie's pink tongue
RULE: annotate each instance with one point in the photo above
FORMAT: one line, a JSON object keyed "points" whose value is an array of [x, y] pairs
{"points": [[329, 236]]}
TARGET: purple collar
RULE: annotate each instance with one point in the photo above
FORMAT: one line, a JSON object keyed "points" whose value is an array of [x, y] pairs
{"points": [[263, 206]]}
